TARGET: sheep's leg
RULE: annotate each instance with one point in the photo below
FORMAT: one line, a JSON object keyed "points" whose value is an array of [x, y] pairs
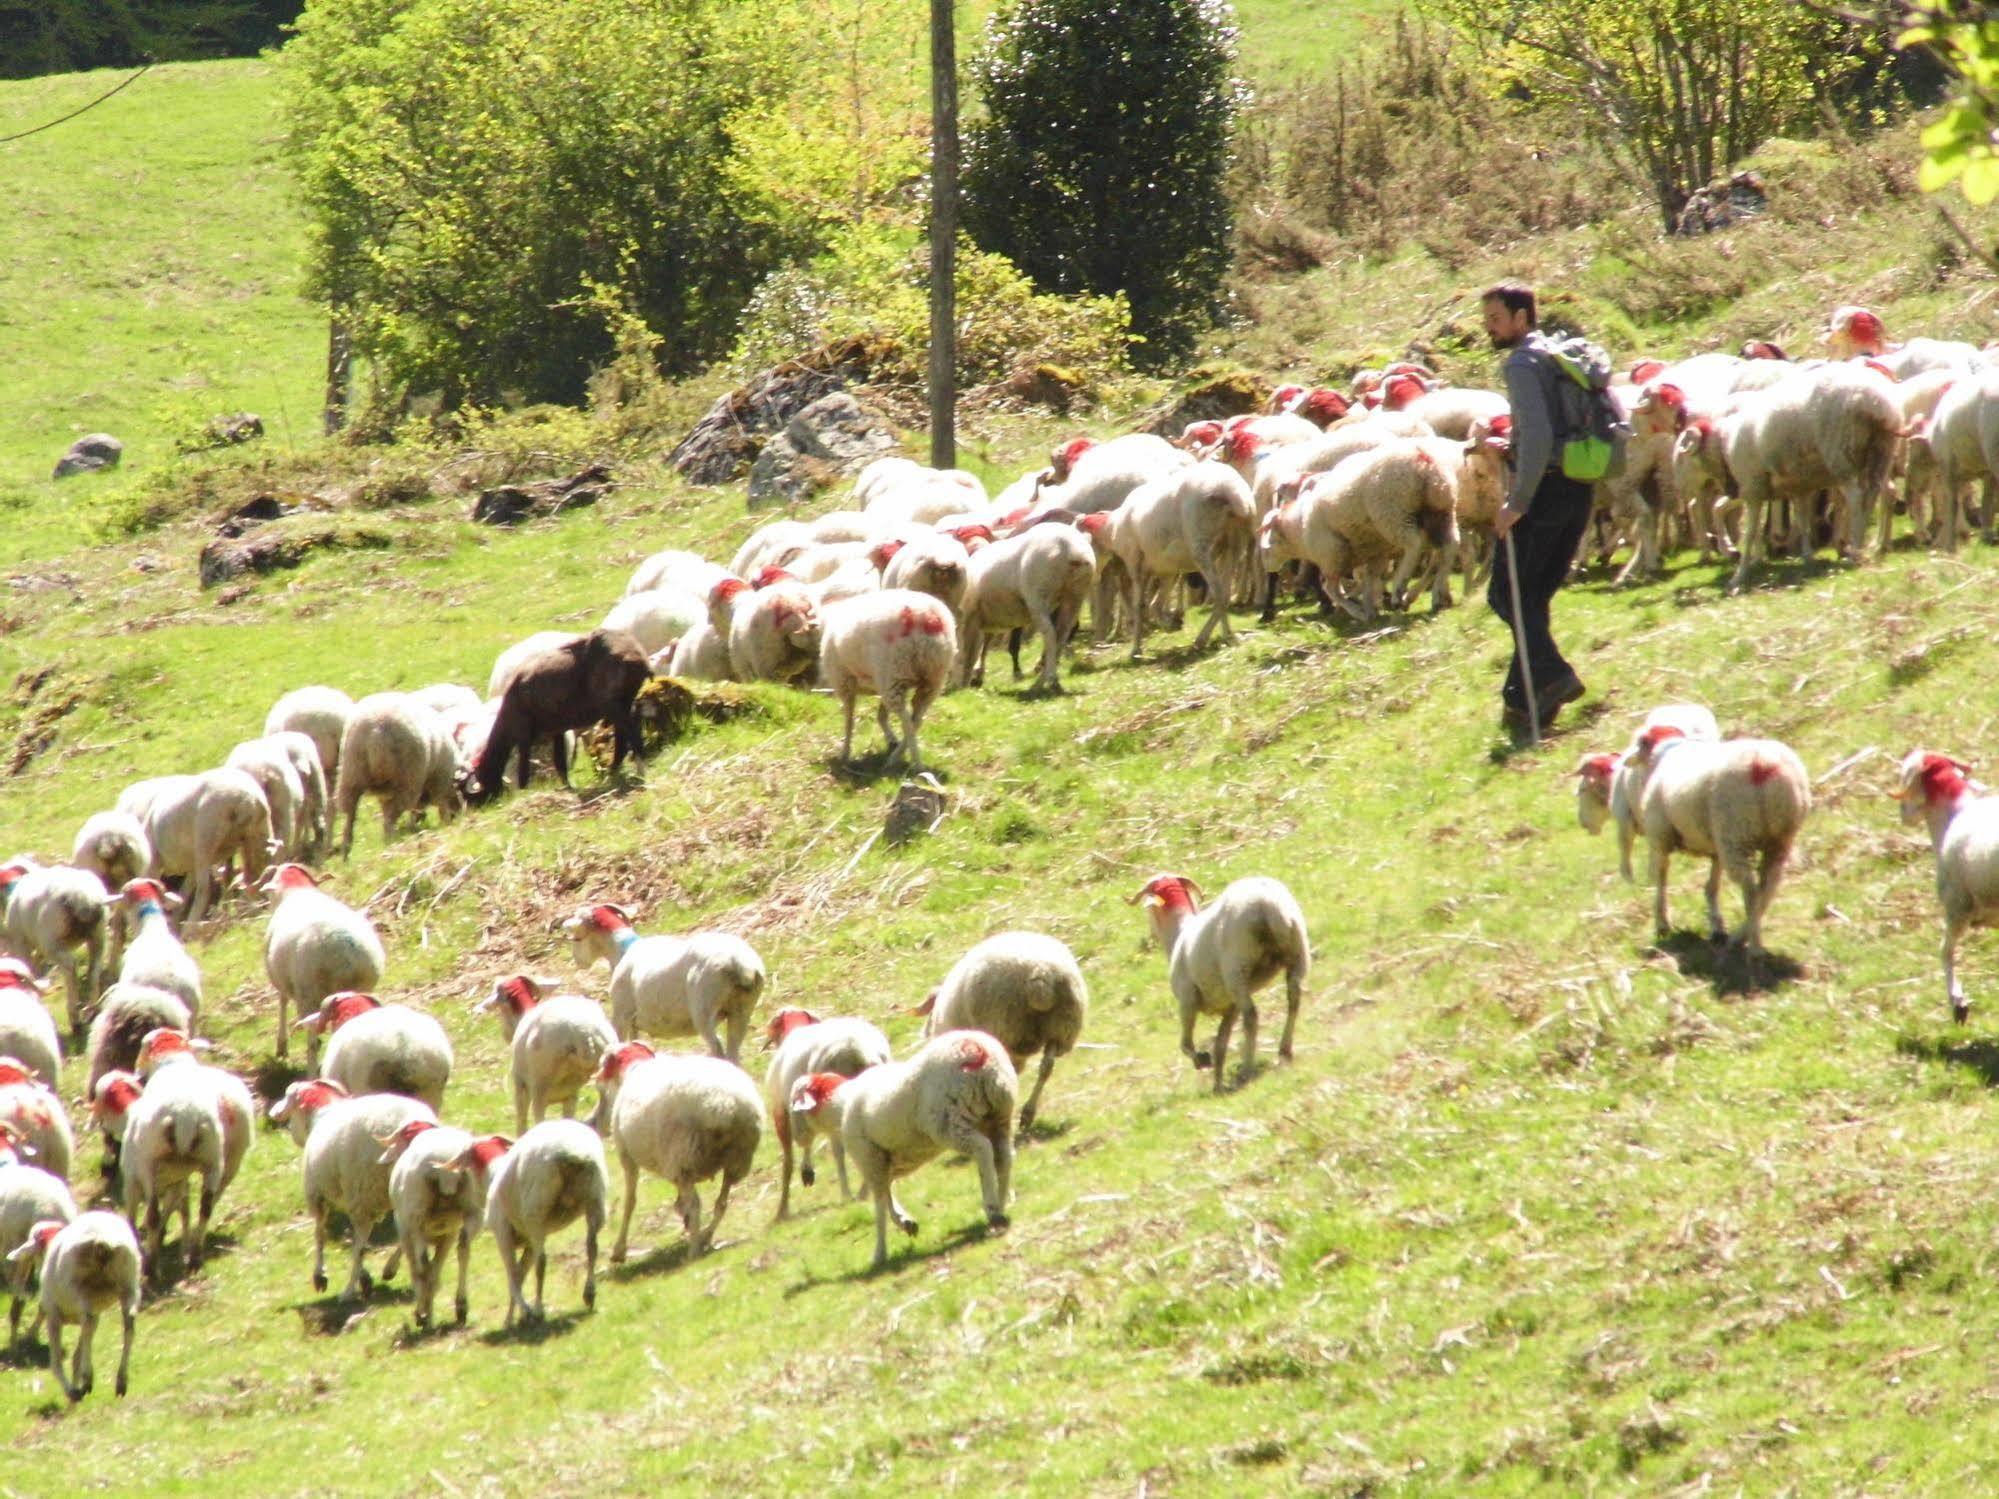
{"points": [[881, 1226], [1222, 1048], [1988, 521], [347, 839], [593, 1225], [1189, 1012], [1139, 581], [1294, 994], [359, 1282], [521, 1107], [128, 1310], [847, 697], [1051, 648], [1002, 1139], [974, 1145], [1246, 1008], [1218, 616], [503, 1240], [739, 1028], [687, 1202], [784, 1172], [715, 1217], [1753, 503], [631, 1200], [1770, 876], [16, 1301], [72, 987], [1660, 924], [890, 744], [1717, 928], [1953, 933], [912, 708], [1034, 1096], [461, 1304], [197, 1247], [840, 1165], [86, 1345], [559, 748], [52, 1330], [319, 1249]]}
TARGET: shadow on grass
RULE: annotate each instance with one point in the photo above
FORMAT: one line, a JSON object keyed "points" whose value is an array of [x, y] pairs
{"points": [[271, 1079], [330, 1315], [1560, 732], [864, 771], [1040, 1133], [32, 1353], [1981, 1057], [673, 1256], [1729, 970], [173, 1266], [971, 1233], [532, 1333], [622, 784]]}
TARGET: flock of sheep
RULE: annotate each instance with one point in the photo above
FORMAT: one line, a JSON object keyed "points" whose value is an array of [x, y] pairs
{"points": [[897, 597]]}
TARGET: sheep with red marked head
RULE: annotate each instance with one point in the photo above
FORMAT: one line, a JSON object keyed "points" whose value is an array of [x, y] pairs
{"points": [[46, 915], [154, 957], [676, 571], [315, 945], [1086, 476], [191, 1120], [705, 985], [773, 632], [556, 1041], [88, 1265], [438, 1204], [1740, 803], [1039, 579], [27, 1030], [378, 1048], [33, 1112], [805, 1044], [1392, 503], [1608, 785], [28, 1195], [342, 1165], [1219, 957], [897, 644], [1200, 519], [401, 753], [1023, 988], [553, 1176], [956, 1093], [1453, 411], [684, 1119], [937, 564], [1963, 823]]}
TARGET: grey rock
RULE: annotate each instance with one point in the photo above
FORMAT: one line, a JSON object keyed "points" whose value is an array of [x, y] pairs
{"points": [[87, 454], [831, 438]]}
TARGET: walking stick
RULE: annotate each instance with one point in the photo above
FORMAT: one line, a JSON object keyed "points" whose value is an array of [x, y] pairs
{"points": [[1520, 641]]}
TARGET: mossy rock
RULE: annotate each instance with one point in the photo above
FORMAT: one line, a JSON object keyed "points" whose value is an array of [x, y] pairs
{"points": [[1214, 397]]}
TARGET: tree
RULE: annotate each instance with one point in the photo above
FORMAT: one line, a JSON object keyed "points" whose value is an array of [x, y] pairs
{"points": [[60, 36], [484, 178], [1100, 161], [1964, 36], [1677, 90]]}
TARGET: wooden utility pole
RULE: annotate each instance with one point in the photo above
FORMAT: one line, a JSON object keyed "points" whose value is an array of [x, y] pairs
{"points": [[339, 372], [943, 235]]}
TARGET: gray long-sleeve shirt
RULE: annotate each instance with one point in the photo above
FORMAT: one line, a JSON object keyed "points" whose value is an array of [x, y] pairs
{"points": [[1530, 391]]}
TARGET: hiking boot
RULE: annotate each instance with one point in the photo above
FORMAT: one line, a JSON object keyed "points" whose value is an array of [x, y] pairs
{"points": [[1563, 692]]}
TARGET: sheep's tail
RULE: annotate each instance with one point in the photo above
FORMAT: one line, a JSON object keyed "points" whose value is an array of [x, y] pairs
{"points": [[581, 1182], [1783, 795], [748, 975], [194, 1138], [1437, 501]]}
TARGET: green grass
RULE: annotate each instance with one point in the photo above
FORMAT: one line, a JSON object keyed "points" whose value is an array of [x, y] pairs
{"points": [[1539, 1207], [150, 281]]}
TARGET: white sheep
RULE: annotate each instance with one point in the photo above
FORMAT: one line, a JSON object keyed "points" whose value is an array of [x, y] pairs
{"points": [[1453, 411], [1201, 519], [671, 986], [342, 1165], [154, 957], [401, 753], [114, 847], [554, 1175], [189, 1120], [315, 945], [88, 1265], [657, 618], [556, 1042], [438, 1206], [505, 664], [956, 1093], [270, 766], [897, 644], [1964, 830], [773, 632], [1086, 476], [28, 1195], [1739, 803], [378, 1048], [767, 546], [321, 714], [936, 564], [219, 820], [1830, 428], [1389, 502], [1037, 579], [1025, 989], [685, 1119], [31, 1109], [27, 1029], [701, 655], [1608, 785], [805, 1045], [1960, 443], [676, 571], [45, 914], [1220, 957]]}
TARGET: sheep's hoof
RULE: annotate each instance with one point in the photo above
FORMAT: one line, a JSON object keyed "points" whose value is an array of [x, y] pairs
{"points": [[78, 1393], [365, 1282], [618, 1255], [319, 1280], [907, 1225], [1202, 1061], [1960, 1010], [998, 1221], [121, 1387], [807, 1175], [590, 1295], [1283, 1053]]}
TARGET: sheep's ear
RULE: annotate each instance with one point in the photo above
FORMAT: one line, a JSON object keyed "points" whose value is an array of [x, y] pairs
{"points": [[171, 901], [545, 985], [29, 1251]]}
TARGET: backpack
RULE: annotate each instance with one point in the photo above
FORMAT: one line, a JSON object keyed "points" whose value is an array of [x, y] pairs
{"points": [[1589, 428]]}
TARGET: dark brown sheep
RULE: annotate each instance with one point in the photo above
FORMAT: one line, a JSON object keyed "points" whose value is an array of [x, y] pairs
{"points": [[594, 679]]}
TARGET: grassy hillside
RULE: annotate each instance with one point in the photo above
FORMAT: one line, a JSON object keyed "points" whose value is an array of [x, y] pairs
{"points": [[150, 279], [1540, 1205]]}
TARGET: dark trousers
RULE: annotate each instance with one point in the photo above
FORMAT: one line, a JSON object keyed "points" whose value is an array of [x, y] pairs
{"points": [[1545, 542]]}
